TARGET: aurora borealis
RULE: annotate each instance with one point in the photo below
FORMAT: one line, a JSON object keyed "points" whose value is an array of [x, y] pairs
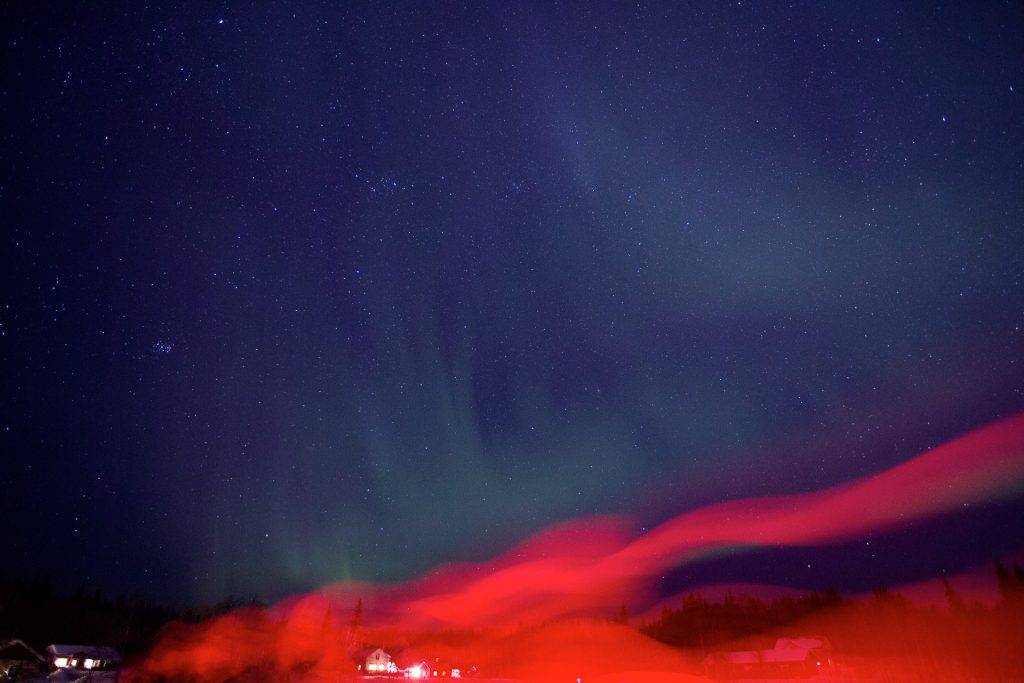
{"points": [[324, 292]]}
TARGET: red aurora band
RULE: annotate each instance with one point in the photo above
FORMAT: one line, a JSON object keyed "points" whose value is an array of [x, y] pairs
{"points": [[540, 611]]}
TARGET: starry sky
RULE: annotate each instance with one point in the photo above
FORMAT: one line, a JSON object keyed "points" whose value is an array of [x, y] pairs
{"points": [[304, 292]]}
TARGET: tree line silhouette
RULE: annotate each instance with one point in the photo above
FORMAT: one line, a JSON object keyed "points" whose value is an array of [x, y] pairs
{"points": [[880, 634], [877, 634], [31, 610]]}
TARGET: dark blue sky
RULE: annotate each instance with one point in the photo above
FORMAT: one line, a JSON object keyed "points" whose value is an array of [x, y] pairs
{"points": [[297, 293]]}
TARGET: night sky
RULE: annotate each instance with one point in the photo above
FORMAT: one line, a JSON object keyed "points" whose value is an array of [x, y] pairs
{"points": [[306, 292]]}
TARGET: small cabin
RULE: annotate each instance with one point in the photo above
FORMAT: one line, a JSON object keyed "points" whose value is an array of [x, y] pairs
{"points": [[801, 657], [378, 661], [421, 669], [18, 660], [87, 658]]}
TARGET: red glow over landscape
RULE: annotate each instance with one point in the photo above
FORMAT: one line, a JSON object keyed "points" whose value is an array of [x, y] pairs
{"points": [[539, 612], [555, 342]]}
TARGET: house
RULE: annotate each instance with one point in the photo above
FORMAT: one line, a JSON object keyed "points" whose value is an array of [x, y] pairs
{"points": [[420, 669], [18, 660], [801, 657], [88, 658], [413, 664], [378, 661]]}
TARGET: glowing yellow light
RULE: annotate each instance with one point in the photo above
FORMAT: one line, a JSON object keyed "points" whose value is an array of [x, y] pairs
{"points": [[60, 662], [89, 663]]}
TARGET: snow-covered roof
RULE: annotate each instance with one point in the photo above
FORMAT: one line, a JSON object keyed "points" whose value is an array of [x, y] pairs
{"points": [[790, 654], [408, 663], [802, 642], [11, 647], [91, 651], [410, 656], [735, 657]]}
